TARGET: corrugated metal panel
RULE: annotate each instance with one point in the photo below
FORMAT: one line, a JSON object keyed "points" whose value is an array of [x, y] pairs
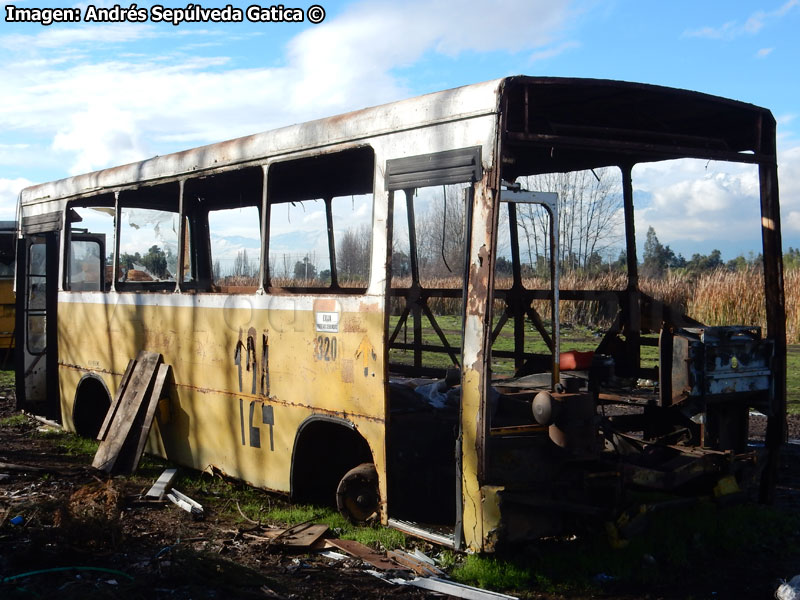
{"points": [[439, 168]]}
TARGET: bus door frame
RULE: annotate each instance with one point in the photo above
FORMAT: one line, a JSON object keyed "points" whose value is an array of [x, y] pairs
{"points": [[37, 372]]}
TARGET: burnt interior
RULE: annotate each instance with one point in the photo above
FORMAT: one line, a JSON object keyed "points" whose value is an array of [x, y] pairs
{"points": [[568, 451]]}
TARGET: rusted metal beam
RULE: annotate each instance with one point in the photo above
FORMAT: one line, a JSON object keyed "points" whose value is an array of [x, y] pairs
{"points": [[633, 323], [641, 150], [514, 300], [331, 242], [776, 433]]}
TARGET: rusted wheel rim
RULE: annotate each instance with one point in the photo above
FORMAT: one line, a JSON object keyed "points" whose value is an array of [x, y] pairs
{"points": [[357, 496]]}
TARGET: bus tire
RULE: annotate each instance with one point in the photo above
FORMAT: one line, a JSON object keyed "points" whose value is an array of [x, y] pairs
{"points": [[357, 495]]}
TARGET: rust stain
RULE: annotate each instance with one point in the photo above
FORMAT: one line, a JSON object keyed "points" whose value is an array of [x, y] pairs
{"points": [[326, 305], [347, 371], [353, 324], [368, 307], [275, 401]]}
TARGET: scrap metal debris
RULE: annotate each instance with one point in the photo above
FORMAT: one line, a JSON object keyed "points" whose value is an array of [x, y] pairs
{"points": [[451, 588], [789, 590], [183, 501]]}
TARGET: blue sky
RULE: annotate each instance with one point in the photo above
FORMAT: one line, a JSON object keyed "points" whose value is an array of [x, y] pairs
{"points": [[84, 96]]}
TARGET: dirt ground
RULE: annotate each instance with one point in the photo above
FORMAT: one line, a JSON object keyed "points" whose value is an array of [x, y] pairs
{"points": [[59, 515]]}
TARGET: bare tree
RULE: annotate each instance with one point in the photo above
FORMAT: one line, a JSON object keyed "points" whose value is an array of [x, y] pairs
{"points": [[440, 232], [352, 254], [590, 216], [241, 264]]}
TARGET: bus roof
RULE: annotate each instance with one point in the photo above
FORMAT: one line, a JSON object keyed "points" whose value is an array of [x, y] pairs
{"points": [[588, 97]]}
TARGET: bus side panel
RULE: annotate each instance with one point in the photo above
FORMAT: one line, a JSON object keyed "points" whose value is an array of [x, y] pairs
{"points": [[246, 376], [7, 314]]}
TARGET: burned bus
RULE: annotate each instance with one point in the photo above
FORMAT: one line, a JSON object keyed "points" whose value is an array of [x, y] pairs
{"points": [[438, 405]]}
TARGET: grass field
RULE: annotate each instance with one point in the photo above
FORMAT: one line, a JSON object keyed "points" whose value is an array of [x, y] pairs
{"points": [[793, 379]]}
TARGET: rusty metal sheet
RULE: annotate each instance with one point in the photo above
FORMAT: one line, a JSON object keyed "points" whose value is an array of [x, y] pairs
{"points": [[301, 536], [368, 555]]}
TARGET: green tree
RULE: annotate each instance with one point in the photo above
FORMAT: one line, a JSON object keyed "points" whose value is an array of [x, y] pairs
{"points": [[791, 260], [127, 261], [701, 263], [657, 258], [155, 261], [503, 266]]}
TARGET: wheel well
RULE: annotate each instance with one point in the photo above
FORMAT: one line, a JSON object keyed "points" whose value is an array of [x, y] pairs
{"points": [[92, 402], [324, 450]]}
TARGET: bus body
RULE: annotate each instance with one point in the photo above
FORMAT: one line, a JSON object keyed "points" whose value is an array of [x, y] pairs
{"points": [[8, 237], [333, 382]]}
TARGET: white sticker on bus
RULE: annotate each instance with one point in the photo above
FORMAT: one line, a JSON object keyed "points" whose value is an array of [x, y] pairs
{"points": [[328, 322]]}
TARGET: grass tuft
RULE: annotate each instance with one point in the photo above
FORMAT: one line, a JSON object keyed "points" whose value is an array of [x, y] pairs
{"points": [[235, 499], [14, 421], [492, 573], [70, 443]]}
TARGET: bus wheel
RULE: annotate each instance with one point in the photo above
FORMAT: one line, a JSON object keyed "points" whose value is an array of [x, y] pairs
{"points": [[357, 496]]}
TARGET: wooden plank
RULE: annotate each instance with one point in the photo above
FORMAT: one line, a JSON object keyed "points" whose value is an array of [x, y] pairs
{"points": [[162, 484], [112, 410], [129, 409], [133, 448], [368, 555]]}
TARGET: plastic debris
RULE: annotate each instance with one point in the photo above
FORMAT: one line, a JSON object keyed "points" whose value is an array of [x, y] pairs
{"points": [[790, 590]]}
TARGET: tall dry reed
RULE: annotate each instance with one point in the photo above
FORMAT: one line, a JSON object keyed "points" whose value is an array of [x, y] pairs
{"points": [[737, 298]]}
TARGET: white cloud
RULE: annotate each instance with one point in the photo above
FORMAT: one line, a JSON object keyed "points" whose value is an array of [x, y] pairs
{"points": [[98, 133], [701, 201], [60, 37], [9, 192], [764, 52], [793, 221], [554, 51], [698, 200], [751, 26], [381, 36], [714, 33], [789, 186], [150, 98]]}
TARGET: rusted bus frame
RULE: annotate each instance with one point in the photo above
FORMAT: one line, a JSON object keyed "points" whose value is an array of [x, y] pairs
{"points": [[652, 146], [584, 147], [777, 433], [651, 151], [476, 502], [632, 326]]}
